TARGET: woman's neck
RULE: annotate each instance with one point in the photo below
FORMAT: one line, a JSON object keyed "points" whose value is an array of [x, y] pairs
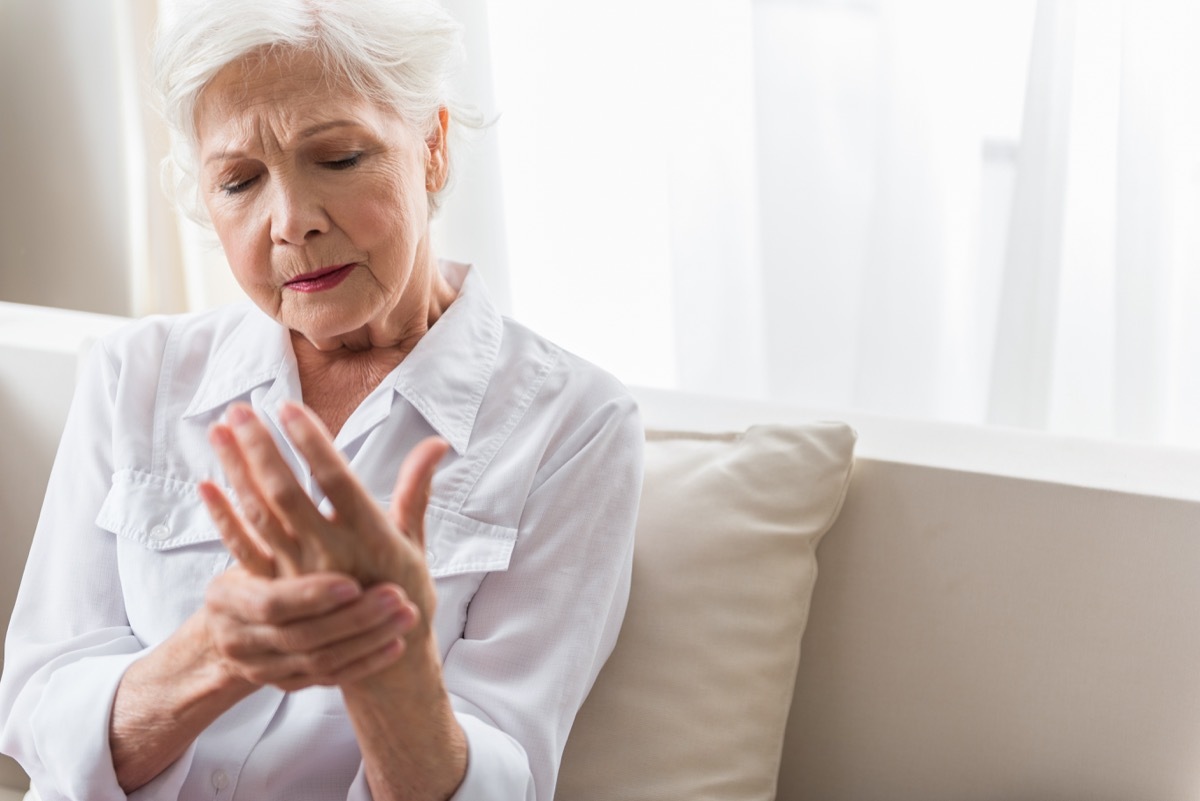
{"points": [[334, 381]]}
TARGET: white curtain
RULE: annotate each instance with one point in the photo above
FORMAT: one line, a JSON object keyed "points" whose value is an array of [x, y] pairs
{"points": [[979, 211], [1103, 260], [976, 211]]}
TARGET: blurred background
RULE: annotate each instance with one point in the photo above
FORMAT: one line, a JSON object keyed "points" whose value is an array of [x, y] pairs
{"points": [[981, 211]]}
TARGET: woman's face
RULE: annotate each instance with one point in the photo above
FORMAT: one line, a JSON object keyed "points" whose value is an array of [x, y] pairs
{"points": [[318, 196]]}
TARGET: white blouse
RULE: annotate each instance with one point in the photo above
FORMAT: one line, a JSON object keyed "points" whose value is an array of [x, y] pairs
{"points": [[529, 534]]}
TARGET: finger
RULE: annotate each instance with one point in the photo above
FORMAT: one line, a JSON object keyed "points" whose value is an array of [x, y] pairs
{"points": [[369, 665], [255, 509], [413, 486], [380, 604], [249, 552], [319, 666], [327, 464], [276, 483], [252, 599], [325, 665]]}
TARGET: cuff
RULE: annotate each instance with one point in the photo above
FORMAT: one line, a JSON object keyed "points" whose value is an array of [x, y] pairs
{"points": [[71, 732], [497, 767]]}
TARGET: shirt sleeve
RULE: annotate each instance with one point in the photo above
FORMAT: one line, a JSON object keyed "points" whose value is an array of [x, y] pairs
{"points": [[64, 659], [538, 633]]}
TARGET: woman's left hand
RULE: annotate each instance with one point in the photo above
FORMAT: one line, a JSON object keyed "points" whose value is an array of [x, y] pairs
{"points": [[280, 531], [402, 714]]}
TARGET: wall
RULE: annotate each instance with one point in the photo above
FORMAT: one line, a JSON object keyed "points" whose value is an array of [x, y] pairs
{"points": [[63, 234]]}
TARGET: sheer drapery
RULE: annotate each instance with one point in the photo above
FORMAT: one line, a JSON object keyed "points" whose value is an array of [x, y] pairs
{"points": [[1114, 349], [975, 211]]}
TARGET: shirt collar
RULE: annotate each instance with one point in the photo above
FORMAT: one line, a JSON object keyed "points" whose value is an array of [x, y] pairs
{"points": [[447, 373], [256, 351], [444, 377]]}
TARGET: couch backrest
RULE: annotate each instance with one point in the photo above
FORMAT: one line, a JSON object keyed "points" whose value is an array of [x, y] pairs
{"points": [[39, 356], [980, 636], [973, 635]]}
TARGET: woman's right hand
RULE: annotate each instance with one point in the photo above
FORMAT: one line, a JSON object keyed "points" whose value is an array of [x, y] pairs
{"points": [[300, 631], [290, 632]]}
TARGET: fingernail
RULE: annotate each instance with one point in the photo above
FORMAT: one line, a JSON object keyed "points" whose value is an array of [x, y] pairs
{"points": [[240, 415], [345, 591], [287, 414], [389, 602], [219, 436]]}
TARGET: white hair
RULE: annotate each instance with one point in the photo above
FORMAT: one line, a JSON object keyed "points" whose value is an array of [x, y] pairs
{"points": [[402, 54]]}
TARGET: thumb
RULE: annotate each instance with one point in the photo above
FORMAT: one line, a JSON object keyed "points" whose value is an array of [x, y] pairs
{"points": [[411, 496]]}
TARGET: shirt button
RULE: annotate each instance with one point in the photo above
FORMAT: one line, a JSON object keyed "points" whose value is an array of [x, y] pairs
{"points": [[220, 779], [161, 531], [430, 557]]}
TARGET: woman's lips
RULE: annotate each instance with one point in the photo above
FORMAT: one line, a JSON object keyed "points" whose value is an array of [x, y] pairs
{"points": [[320, 280]]}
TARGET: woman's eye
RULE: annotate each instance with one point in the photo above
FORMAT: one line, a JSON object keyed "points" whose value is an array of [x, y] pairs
{"points": [[343, 164], [237, 187]]}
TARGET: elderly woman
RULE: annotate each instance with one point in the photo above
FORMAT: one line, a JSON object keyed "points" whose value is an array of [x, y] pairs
{"points": [[362, 538]]}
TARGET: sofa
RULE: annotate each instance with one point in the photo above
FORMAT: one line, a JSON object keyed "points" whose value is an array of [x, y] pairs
{"points": [[990, 614]]}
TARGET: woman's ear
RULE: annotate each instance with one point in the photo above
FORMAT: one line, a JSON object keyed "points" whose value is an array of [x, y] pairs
{"points": [[438, 167]]}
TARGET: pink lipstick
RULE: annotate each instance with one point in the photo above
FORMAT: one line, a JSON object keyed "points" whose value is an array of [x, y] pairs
{"points": [[321, 280]]}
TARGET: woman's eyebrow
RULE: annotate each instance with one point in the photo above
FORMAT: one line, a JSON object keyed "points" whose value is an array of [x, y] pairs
{"points": [[313, 130]]}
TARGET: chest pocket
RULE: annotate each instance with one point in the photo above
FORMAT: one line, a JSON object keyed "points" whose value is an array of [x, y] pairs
{"points": [[455, 544], [460, 552], [168, 550]]}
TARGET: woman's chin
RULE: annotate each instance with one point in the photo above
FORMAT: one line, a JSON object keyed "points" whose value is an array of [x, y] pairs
{"points": [[330, 322], [329, 332], [332, 339]]}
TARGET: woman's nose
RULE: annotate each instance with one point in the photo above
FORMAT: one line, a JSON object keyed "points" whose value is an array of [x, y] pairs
{"points": [[297, 214]]}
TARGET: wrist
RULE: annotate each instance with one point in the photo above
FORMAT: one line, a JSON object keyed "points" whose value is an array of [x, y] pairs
{"points": [[417, 672], [210, 676], [429, 744], [164, 701]]}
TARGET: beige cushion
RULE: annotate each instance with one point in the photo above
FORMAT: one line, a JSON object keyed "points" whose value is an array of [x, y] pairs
{"points": [[694, 700]]}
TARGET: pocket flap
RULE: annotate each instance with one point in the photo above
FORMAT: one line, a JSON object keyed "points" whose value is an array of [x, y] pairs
{"points": [[455, 543], [159, 513]]}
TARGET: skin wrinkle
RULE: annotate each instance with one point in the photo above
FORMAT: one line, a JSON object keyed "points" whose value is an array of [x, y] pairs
{"points": [[260, 115], [266, 130]]}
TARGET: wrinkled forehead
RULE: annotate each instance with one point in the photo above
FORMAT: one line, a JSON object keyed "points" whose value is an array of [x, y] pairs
{"points": [[277, 76], [277, 95]]}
